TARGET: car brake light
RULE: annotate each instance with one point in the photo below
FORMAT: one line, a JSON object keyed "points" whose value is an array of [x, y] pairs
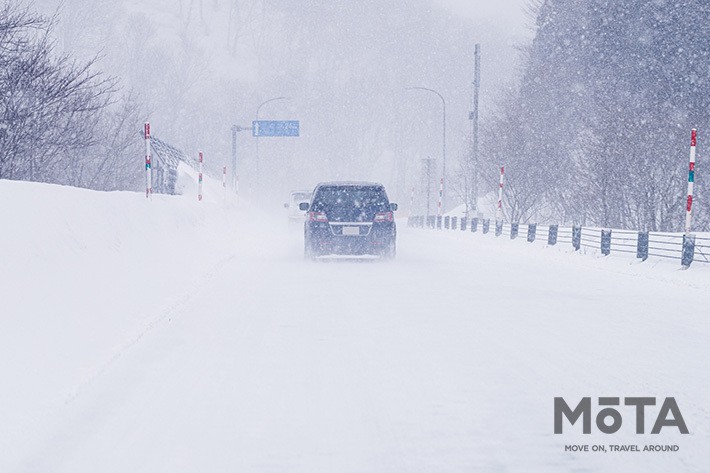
{"points": [[384, 217], [317, 217]]}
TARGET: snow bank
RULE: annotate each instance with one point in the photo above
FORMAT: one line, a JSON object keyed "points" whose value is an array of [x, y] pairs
{"points": [[86, 273]]}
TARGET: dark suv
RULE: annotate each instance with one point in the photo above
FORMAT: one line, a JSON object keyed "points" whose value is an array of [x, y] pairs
{"points": [[350, 218]]}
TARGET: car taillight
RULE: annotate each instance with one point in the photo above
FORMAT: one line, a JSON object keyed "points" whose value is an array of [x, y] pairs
{"points": [[317, 217], [384, 217]]}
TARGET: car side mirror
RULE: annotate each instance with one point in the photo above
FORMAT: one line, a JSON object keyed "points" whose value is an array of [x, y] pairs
{"points": [[393, 207], [303, 206], [286, 205]]}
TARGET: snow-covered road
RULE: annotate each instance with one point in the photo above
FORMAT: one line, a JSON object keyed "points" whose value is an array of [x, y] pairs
{"points": [[444, 360]]}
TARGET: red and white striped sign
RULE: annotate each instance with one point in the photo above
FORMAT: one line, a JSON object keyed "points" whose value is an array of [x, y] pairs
{"points": [[199, 180], [499, 210], [441, 195], [691, 180], [148, 162]]}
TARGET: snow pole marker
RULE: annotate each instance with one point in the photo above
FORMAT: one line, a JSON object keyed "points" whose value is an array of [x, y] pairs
{"points": [[691, 180], [441, 195], [224, 181], [148, 163], [199, 180], [499, 210]]}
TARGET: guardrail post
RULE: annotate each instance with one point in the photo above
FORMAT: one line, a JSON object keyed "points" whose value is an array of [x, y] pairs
{"points": [[605, 244], [532, 230], [447, 222], [576, 237], [514, 230], [688, 250], [464, 224], [454, 223], [486, 225], [438, 222], [474, 225], [642, 246], [552, 235], [499, 228]]}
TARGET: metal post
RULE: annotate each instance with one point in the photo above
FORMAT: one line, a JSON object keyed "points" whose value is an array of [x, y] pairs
{"points": [[605, 242], [552, 235], [691, 180], [199, 179], [257, 140], [474, 124], [148, 163], [443, 178], [443, 101], [235, 129], [427, 163]]}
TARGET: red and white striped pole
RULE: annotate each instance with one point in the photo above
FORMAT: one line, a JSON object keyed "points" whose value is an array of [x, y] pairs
{"points": [[199, 180], [691, 180], [441, 195], [499, 210], [148, 163], [224, 182]]}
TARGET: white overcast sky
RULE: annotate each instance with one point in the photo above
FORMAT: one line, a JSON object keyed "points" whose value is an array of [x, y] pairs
{"points": [[507, 12]]}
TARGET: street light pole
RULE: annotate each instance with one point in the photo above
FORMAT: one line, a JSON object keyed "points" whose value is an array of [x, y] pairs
{"points": [[274, 99], [443, 198]]}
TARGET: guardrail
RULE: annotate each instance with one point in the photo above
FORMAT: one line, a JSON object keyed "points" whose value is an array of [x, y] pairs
{"points": [[685, 247]]}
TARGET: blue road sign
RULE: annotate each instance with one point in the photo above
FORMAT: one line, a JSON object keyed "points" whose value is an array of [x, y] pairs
{"points": [[275, 128]]}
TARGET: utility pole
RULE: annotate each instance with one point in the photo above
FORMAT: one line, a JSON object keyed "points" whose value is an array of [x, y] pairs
{"points": [[473, 116], [427, 174], [444, 182], [235, 176], [274, 99]]}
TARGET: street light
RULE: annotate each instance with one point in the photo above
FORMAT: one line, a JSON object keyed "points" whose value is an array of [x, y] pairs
{"points": [[274, 99], [443, 197]]}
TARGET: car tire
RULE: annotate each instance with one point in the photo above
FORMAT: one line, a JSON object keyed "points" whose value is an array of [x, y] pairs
{"points": [[391, 250], [308, 252]]}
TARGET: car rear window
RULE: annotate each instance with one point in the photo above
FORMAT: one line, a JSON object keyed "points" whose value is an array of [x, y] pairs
{"points": [[371, 198]]}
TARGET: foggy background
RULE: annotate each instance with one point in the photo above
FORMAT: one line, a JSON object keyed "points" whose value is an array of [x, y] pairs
{"points": [[587, 103], [197, 67]]}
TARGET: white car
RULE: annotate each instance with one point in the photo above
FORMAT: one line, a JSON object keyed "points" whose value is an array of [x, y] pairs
{"points": [[295, 215]]}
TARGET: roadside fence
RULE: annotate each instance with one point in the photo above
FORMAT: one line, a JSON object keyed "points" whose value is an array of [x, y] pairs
{"points": [[679, 246]]}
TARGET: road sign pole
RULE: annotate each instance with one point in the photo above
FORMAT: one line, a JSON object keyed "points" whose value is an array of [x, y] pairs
{"points": [[474, 126]]}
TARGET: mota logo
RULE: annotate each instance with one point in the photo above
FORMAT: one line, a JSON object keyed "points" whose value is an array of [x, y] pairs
{"points": [[609, 419]]}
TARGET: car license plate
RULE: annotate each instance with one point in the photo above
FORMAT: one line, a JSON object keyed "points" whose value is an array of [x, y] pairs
{"points": [[351, 230]]}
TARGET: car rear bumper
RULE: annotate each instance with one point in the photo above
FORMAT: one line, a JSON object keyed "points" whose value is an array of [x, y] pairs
{"points": [[326, 240]]}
